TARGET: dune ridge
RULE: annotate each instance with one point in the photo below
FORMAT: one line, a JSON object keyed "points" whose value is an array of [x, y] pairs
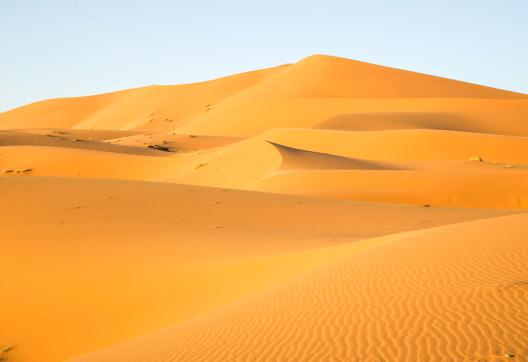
{"points": [[328, 209]]}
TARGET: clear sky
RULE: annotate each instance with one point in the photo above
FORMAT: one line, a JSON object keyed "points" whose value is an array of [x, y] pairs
{"points": [[58, 48]]}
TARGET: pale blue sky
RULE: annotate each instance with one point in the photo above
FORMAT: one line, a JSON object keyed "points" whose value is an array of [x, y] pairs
{"points": [[58, 48]]}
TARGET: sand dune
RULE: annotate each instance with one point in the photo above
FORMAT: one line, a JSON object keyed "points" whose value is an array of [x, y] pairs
{"points": [[324, 76], [146, 108], [406, 144], [406, 166], [449, 293], [298, 95], [323, 210], [493, 189], [194, 249]]}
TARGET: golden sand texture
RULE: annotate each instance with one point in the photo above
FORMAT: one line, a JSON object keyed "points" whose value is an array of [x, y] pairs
{"points": [[327, 210]]}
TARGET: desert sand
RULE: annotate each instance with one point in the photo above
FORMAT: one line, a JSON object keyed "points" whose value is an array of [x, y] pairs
{"points": [[326, 210]]}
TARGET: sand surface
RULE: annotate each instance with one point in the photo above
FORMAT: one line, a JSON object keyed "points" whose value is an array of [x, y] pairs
{"points": [[327, 210]]}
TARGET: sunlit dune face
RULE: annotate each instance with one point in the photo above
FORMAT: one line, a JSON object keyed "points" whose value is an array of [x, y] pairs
{"points": [[324, 210]]}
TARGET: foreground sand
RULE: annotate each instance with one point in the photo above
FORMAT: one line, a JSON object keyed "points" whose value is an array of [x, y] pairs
{"points": [[324, 210], [448, 293]]}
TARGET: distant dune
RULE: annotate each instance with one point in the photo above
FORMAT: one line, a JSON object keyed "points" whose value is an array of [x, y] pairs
{"points": [[327, 210]]}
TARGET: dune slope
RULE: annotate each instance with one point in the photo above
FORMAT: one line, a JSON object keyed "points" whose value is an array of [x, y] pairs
{"points": [[448, 293], [107, 260]]}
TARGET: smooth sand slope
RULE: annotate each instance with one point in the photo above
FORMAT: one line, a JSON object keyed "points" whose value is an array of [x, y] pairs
{"points": [[93, 262], [323, 210], [449, 293]]}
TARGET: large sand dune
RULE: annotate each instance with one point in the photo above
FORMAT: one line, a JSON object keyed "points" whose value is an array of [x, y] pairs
{"points": [[324, 210]]}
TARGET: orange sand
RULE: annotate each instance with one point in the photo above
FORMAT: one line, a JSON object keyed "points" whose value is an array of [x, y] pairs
{"points": [[324, 210]]}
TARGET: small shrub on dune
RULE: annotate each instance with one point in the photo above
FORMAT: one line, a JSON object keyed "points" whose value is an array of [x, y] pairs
{"points": [[160, 148], [200, 166]]}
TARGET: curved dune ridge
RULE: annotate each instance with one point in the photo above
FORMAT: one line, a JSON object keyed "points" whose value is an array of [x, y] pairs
{"points": [[328, 209]]}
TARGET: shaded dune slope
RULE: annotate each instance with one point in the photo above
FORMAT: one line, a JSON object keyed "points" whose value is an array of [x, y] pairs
{"points": [[379, 121], [297, 159]]}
